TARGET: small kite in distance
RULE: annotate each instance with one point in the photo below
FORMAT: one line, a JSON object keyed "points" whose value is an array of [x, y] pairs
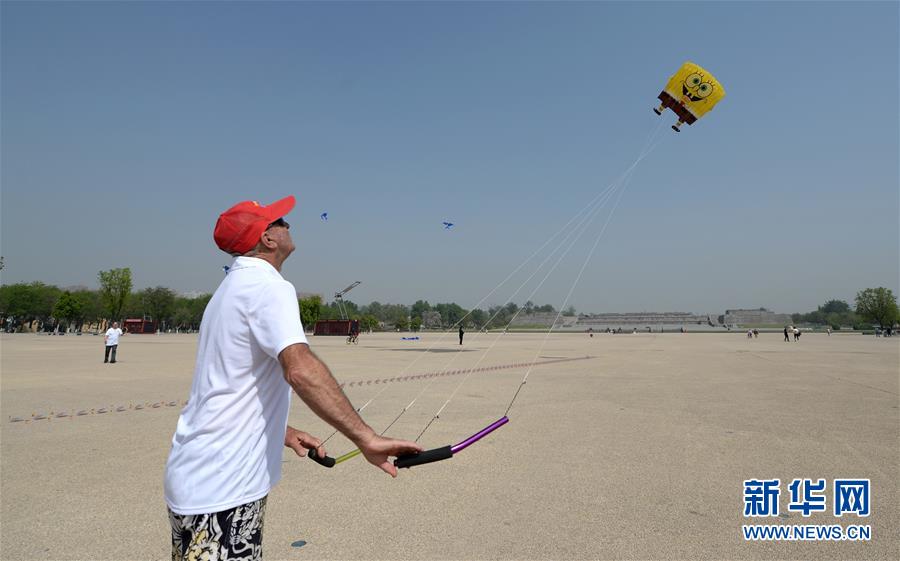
{"points": [[448, 225], [226, 268], [324, 217]]}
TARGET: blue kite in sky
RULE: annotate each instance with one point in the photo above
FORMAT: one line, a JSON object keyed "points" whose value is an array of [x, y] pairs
{"points": [[448, 225], [324, 216]]}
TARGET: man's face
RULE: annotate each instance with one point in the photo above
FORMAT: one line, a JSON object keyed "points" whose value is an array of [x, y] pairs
{"points": [[280, 231]]}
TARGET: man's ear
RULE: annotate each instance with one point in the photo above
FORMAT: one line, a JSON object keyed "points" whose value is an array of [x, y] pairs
{"points": [[268, 241]]}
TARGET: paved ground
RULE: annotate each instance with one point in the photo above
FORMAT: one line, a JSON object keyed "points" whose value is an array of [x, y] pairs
{"points": [[637, 453]]}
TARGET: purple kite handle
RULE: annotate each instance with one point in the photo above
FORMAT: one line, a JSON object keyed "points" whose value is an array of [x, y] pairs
{"points": [[447, 452], [480, 434]]}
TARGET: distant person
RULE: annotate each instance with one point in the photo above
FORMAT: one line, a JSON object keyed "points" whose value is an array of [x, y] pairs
{"points": [[226, 452], [353, 334], [112, 342], [786, 336], [756, 333], [749, 334], [828, 331], [591, 331], [796, 334], [461, 333]]}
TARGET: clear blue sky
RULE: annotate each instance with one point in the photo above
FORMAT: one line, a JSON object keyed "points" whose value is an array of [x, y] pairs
{"points": [[128, 127]]}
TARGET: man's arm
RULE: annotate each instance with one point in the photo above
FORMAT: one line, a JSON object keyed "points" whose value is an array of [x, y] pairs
{"points": [[315, 385]]}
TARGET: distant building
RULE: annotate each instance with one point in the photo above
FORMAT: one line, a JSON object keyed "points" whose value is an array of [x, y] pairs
{"points": [[759, 316], [641, 319]]}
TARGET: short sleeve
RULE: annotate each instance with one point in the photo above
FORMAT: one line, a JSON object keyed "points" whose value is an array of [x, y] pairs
{"points": [[275, 320]]}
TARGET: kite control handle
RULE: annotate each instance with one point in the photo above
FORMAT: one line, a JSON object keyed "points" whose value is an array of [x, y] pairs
{"points": [[426, 457], [447, 452], [327, 461]]}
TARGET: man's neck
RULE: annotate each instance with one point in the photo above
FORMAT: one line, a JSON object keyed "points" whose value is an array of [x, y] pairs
{"points": [[269, 258]]}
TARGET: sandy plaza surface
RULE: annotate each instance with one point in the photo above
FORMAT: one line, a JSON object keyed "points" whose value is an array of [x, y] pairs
{"points": [[636, 448]]}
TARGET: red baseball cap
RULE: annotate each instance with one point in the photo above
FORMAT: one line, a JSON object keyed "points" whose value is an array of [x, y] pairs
{"points": [[238, 229]]}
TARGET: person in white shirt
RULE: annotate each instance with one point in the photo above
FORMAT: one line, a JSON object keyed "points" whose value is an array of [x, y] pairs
{"points": [[112, 342], [227, 448]]}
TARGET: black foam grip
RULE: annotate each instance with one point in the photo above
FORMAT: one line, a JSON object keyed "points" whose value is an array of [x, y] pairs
{"points": [[327, 461], [426, 457]]}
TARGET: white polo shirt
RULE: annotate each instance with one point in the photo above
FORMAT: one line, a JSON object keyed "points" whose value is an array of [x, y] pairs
{"points": [[112, 336], [227, 447]]}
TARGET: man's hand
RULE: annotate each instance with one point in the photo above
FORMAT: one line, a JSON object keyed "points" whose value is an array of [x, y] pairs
{"points": [[300, 442], [376, 449], [315, 385]]}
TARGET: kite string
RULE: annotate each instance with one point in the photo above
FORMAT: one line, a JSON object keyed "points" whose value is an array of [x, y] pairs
{"points": [[598, 202], [655, 141], [620, 184], [587, 219], [590, 214]]}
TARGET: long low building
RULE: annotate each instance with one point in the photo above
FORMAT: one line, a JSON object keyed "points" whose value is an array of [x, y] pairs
{"points": [[656, 321], [637, 319], [758, 316]]}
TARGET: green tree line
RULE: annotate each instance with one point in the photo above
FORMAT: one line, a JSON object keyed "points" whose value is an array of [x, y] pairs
{"points": [[53, 307], [874, 306]]}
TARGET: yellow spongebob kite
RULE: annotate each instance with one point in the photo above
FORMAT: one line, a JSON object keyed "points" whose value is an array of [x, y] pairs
{"points": [[691, 93]]}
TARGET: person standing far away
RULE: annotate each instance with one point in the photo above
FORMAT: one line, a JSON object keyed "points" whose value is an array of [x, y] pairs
{"points": [[786, 336], [226, 452], [112, 343], [461, 333]]}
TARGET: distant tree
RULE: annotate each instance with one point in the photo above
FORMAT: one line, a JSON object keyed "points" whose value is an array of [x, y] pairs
{"points": [[182, 316], [159, 303], [133, 307], [310, 308], [419, 308], [115, 287], [391, 313], [499, 316], [91, 308], [416, 323], [68, 308], [197, 306], [451, 313], [478, 318], [529, 307], [375, 309], [368, 322], [431, 319], [570, 311], [28, 302], [350, 308], [835, 307], [878, 305]]}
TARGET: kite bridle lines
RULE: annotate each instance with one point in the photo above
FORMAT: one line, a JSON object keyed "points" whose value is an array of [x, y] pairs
{"points": [[582, 220]]}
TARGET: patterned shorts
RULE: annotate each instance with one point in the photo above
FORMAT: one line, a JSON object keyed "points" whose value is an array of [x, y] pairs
{"points": [[230, 535]]}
